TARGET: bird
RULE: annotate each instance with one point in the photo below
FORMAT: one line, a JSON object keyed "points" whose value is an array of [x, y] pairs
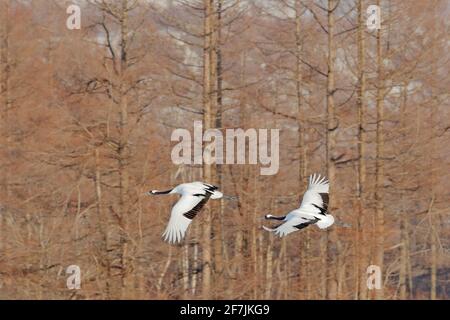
{"points": [[313, 209], [194, 196]]}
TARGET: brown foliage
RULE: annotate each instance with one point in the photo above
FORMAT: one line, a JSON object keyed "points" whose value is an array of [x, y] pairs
{"points": [[86, 119]]}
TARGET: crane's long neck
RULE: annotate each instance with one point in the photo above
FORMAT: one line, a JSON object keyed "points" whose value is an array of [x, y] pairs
{"points": [[269, 216], [161, 192]]}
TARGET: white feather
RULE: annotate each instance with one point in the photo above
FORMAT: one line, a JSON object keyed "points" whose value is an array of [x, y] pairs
{"points": [[309, 209], [191, 195]]}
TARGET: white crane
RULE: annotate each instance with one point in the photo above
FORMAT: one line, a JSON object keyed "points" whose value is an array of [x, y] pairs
{"points": [[313, 209], [194, 196]]}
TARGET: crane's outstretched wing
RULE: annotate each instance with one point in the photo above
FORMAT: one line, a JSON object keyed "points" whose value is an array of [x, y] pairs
{"points": [[182, 214], [316, 199], [205, 187], [312, 210]]}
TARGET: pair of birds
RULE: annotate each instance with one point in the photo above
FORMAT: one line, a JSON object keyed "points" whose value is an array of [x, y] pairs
{"points": [[194, 195]]}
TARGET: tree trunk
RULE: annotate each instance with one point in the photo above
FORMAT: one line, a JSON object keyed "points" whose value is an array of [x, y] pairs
{"points": [[5, 69], [434, 258], [379, 184], [433, 250], [103, 221], [434, 238], [123, 150], [195, 259], [218, 226], [305, 281], [269, 268], [403, 256], [331, 267], [254, 232], [298, 81], [433, 216], [361, 253], [404, 231], [208, 122]]}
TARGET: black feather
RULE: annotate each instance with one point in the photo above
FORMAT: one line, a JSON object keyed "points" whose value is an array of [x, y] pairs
{"points": [[193, 212]]}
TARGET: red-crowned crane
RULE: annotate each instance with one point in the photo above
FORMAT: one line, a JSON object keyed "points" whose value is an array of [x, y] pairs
{"points": [[312, 210], [194, 196]]}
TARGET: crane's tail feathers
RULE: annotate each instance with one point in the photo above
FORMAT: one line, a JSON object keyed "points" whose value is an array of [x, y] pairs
{"points": [[268, 229], [216, 195]]}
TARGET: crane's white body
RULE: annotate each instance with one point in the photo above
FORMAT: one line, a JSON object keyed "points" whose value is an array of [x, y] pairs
{"points": [[194, 196], [312, 210]]}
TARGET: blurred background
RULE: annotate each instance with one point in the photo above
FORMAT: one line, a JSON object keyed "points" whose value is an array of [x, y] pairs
{"points": [[85, 126]]}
